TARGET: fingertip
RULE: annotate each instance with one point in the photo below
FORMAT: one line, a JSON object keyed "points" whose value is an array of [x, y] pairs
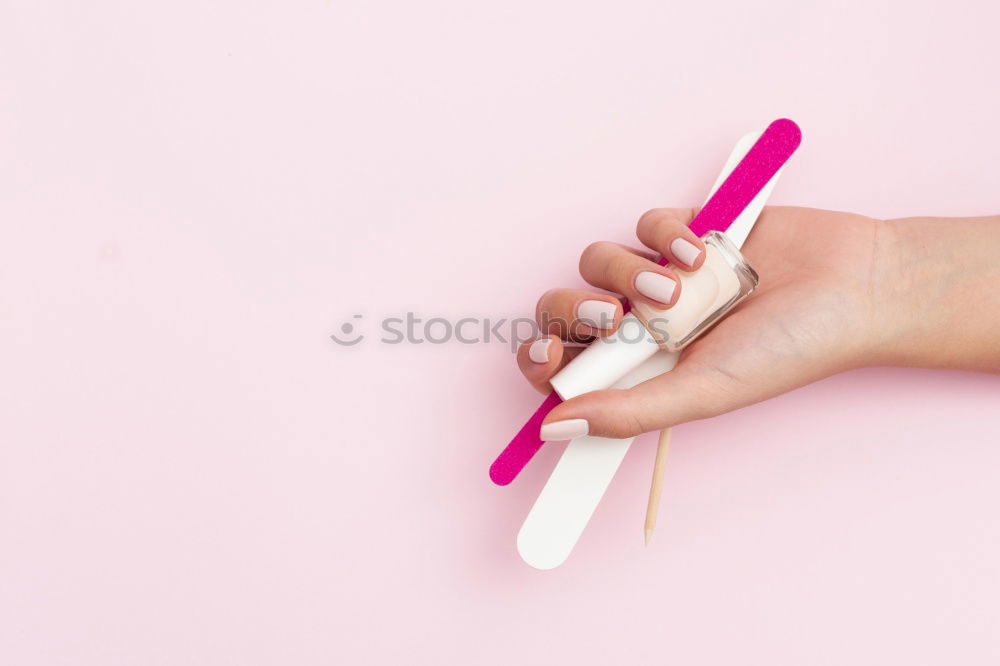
{"points": [[540, 359], [557, 431], [687, 251], [545, 350], [662, 287], [577, 314], [668, 233], [597, 317], [606, 413]]}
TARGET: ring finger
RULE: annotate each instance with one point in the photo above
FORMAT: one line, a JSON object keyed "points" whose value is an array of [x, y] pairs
{"points": [[577, 315]]}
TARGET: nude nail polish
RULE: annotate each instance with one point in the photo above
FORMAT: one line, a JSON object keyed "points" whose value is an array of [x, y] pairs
{"points": [[538, 352], [598, 314], [558, 431], [686, 251], [656, 286]]}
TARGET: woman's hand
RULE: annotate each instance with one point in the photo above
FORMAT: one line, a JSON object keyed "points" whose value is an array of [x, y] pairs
{"points": [[819, 310]]}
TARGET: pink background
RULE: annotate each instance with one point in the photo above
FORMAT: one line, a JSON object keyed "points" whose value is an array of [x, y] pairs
{"points": [[194, 195]]}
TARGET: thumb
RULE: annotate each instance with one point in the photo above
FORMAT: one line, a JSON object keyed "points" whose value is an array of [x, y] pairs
{"points": [[687, 393]]}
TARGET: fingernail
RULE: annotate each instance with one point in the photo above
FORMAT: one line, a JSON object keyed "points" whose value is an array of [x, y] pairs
{"points": [[685, 250], [653, 285], [599, 314], [539, 350], [557, 431]]}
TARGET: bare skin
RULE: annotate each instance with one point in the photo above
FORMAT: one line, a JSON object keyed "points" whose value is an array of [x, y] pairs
{"points": [[838, 291]]}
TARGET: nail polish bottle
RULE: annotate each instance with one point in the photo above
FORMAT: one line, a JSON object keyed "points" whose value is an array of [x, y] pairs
{"points": [[707, 294]]}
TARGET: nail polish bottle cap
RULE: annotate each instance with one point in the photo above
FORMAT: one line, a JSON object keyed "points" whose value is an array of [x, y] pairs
{"points": [[606, 360]]}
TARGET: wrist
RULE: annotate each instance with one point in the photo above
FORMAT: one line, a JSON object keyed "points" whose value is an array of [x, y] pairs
{"points": [[935, 292], [891, 287]]}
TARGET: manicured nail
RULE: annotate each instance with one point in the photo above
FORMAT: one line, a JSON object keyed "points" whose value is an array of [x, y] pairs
{"points": [[539, 350], [685, 250], [599, 314], [653, 285], [557, 431]]}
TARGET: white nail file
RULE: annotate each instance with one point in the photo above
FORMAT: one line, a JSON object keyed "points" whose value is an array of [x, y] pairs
{"points": [[585, 470]]}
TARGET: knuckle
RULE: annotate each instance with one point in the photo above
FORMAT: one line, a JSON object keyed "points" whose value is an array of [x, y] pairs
{"points": [[544, 300], [658, 231], [626, 420], [670, 221], [632, 425], [649, 218], [594, 251], [625, 423], [618, 270]]}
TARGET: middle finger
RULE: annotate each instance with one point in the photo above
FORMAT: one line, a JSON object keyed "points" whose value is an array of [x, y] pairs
{"points": [[628, 272]]}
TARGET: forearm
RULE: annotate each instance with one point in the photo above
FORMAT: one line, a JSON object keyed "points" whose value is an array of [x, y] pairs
{"points": [[936, 293]]}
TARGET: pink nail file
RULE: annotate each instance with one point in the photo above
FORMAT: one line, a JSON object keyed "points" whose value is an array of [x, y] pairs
{"points": [[524, 446], [767, 155]]}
